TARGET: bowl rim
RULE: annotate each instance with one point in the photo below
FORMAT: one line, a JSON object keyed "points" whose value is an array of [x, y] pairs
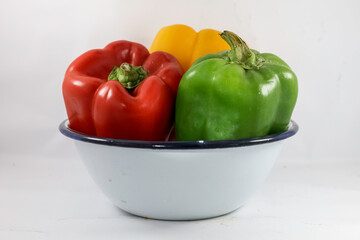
{"points": [[200, 144]]}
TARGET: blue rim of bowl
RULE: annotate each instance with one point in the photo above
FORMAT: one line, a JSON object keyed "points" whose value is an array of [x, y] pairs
{"points": [[65, 130]]}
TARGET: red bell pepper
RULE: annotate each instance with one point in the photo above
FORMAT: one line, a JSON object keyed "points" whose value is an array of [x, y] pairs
{"points": [[136, 103]]}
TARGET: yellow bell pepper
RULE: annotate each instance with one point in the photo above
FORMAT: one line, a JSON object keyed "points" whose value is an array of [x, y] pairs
{"points": [[186, 44]]}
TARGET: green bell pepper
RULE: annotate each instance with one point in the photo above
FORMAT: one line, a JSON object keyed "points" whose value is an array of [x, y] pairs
{"points": [[237, 93]]}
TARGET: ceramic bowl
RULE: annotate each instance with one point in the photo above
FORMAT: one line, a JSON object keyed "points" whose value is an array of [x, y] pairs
{"points": [[179, 180]]}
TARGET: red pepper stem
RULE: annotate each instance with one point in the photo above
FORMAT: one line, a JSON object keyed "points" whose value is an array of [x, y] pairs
{"points": [[128, 75], [240, 53]]}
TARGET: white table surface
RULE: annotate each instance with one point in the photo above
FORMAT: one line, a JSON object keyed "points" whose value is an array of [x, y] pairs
{"points": [[53, 197]]}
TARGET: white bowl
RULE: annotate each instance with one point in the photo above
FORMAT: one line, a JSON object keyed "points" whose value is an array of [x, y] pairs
{"points": [[179, 180]]}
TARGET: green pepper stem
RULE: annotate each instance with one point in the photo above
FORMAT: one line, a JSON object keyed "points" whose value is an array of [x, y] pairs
{"points": [[240, 53], [128, 75]]}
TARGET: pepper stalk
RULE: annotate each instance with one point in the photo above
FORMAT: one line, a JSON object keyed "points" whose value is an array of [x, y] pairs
{"points": [[128, 75], [240, 53]]}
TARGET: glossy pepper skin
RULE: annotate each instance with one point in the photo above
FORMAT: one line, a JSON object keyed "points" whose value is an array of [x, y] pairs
{"points": [[235, 94], [186, 44], [105, 108]]}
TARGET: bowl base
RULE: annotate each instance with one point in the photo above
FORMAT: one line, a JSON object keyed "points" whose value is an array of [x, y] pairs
{"points": [[180, 219]]}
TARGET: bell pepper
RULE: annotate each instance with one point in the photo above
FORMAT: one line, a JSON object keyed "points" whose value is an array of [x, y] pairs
{"points": [[122, 91], [238, 93], [186, 44]]}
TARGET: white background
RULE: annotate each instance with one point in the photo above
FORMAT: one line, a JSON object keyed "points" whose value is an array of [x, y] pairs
{"points": [[320, 40]]}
